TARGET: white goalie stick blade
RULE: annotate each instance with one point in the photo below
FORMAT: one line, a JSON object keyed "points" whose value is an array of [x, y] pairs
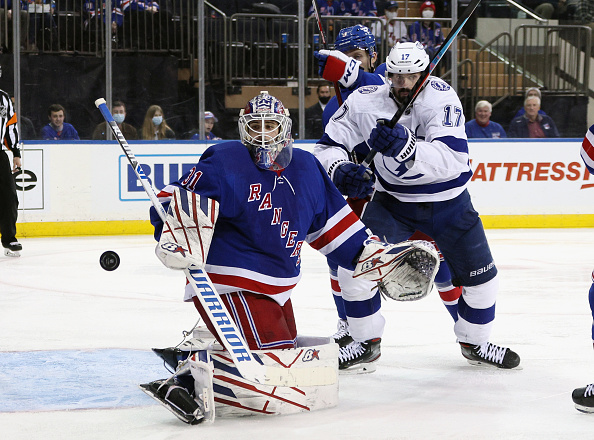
{"points": [[404, 271]]}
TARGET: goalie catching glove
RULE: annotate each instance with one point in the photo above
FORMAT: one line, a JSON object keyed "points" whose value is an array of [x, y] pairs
{"points": [[403, 271], [188, 230], [337, 67]]}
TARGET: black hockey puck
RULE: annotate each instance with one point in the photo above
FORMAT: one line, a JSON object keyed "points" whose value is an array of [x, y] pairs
{"points": [[109, 260]]}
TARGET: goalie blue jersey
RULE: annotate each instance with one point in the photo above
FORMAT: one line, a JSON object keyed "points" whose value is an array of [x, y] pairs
{"points": [[265, 217]]}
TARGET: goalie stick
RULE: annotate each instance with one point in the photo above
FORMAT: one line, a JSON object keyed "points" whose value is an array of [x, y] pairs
{"points": [[414, 92], [249, 365]]}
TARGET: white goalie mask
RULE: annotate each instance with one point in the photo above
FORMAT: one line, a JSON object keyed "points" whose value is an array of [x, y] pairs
{"points": [[265, 129], [407, 58]]}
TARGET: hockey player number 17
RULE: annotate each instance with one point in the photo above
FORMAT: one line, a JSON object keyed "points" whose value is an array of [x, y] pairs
{"points": [[452, 117]]}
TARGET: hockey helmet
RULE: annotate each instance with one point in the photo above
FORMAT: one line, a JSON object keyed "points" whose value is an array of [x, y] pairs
{"points": [[407, 58], [265, 129], [355, 37]]}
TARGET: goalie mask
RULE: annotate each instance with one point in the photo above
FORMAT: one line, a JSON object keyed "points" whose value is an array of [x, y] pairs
{"points": [[265, 129]]}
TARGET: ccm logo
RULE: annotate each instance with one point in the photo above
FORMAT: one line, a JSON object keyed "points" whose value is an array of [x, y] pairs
{"points": [[485, 269]]}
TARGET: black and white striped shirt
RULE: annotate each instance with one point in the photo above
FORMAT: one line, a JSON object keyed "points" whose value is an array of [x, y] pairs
{"points": [[8, 124]]}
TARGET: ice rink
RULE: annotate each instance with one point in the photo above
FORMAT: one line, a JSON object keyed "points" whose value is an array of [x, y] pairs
{"points": [[75, 342]]}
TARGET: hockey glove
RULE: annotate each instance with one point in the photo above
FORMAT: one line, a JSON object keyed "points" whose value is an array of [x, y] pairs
{"points": [[398, 142], [349, 181], [337, 67]]}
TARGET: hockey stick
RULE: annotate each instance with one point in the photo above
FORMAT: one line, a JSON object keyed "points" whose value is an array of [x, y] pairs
{"points": [[325, 43], [249, 366], [414, 92]]}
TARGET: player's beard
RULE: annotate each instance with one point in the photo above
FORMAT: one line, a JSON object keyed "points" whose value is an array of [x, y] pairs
{"points": [[400, 94]]}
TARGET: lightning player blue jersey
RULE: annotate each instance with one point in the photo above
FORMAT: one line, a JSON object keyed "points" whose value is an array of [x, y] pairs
{"points": [[265, 217]]}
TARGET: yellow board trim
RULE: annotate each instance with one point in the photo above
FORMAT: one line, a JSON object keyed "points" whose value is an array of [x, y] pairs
{"points": [[67, 229], [134, 227]]}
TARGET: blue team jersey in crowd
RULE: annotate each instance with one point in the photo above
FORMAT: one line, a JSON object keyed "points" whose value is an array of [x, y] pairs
{"points": [[493, 130], [265, 217], [68, 133], [587, 150]]}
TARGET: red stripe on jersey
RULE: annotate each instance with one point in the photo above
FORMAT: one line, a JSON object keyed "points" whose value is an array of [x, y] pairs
{"points": [[451, 295], [349, 220], [588, 148], [164, 194], [247, 284]]}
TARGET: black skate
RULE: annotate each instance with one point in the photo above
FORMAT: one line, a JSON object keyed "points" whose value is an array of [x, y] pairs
{"points": [[342, 336], [584, 398], [490, 354], [12, 249], [357, 357], [172, 356], [176, 399]]}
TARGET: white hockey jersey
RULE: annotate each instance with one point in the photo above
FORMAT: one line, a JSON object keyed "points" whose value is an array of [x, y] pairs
{"points": [[440, 170]]}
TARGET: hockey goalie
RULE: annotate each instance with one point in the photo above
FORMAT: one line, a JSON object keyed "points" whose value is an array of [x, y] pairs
{"points": [[241, 215]]}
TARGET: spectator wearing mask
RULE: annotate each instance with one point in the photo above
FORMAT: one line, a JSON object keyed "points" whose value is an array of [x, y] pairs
{"points": [[314, 128], [119, 115], [155, 127]]}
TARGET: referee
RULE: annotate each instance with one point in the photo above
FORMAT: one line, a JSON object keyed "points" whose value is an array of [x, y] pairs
{"points": [[9, 202]]}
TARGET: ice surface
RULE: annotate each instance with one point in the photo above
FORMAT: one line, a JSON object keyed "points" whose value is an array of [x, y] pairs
{"points": [[75, 341]]}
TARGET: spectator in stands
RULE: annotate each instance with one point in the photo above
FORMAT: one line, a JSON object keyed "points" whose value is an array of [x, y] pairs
{"points": [[532, 124], [532, 91], [118, 110], [482, 126], [96, 18], [155, 127], [57, 129], [40, 18], [314, 129], [331, 7], [141, 23], [6, 19], [209, 122], [362, 8], [427, 32], [395, 29]]}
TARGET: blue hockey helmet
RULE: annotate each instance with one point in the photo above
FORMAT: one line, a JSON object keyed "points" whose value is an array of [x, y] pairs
{"points": [[265, 129], [355, 37]]}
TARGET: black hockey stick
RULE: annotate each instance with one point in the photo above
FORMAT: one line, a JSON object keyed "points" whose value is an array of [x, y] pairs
{"points": [[249, 365], [414, 92], [325, 43]]}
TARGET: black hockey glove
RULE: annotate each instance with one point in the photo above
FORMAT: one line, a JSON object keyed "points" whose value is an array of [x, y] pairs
{"points": [[352, 180], [398, 142]]}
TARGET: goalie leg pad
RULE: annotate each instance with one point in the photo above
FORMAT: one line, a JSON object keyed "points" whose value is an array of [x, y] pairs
{"points": [[188, 230], [404, 271], [201, 367]]}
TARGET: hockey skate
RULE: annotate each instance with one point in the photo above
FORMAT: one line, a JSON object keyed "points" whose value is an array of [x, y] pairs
{"points": [[342, 336], [12, 249], [357, 357], [583, 398], [490, 354], [176, 399]]}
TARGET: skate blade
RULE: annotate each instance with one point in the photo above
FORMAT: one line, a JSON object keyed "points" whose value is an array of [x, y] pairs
{"points": [[358, 369], [491, 366], [9, 253], [584, 409], [148, 392]]}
